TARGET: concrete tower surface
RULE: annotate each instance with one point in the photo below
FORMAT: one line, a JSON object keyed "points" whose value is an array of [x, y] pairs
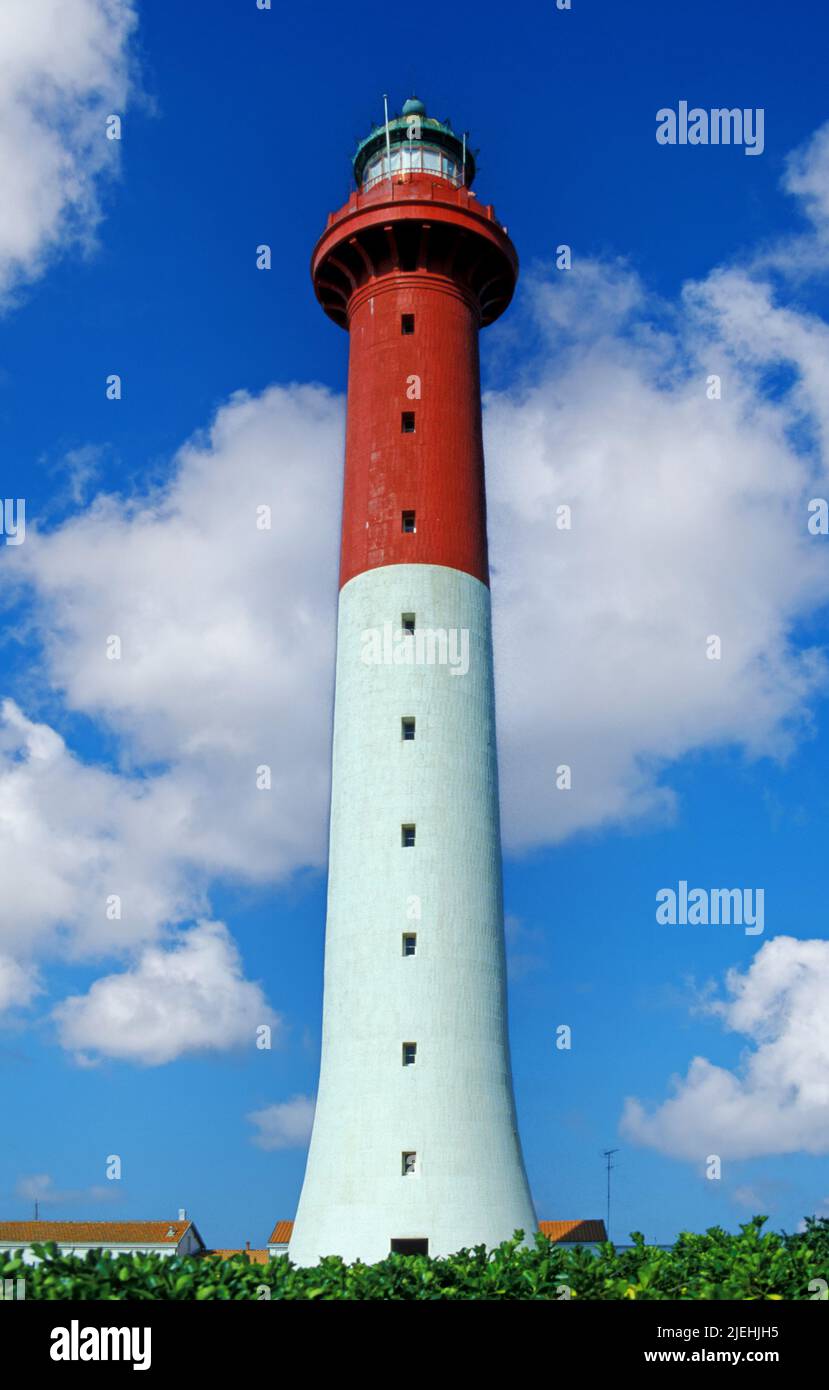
{"points": [[415, 1143]]}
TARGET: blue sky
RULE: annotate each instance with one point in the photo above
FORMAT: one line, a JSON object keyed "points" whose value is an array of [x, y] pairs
{"points": [[689, 519]]}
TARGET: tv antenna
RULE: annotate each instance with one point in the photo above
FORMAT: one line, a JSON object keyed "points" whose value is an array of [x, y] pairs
{"points": [[608, 1154]]}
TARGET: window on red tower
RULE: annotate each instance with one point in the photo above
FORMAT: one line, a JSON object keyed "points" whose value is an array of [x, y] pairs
{"points": [[407, 422], [409, 522], [407, 324]]}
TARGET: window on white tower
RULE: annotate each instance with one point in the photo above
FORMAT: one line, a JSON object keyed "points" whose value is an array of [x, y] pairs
{"points": [[409, 1165], [409, 1054], [407, 836], [407, 730], [407, 622], [409, 943]]}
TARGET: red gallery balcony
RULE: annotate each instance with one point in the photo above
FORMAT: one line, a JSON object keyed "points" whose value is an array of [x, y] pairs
{"points": [[415, 223]]}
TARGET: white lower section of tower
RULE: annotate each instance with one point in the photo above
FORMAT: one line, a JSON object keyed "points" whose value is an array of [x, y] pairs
{"points": [[453, 1107]]}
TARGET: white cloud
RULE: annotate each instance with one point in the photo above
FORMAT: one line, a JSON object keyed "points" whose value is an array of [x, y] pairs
{"points": [[74, 836], [63, 71], [778, 1100], [688, 519], [798, 255], [807, 177], [286, 1125], [751, 1199], [40, 1188], [226, 629], [18, 984], [36, 1187], [227, 633], [188, 998]]}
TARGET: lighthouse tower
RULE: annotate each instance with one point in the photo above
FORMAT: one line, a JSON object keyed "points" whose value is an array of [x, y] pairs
{"points": [[415, 1145]]}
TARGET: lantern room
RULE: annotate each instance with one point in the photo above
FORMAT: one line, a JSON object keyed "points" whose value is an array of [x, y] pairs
{"points": [[413, 143]]}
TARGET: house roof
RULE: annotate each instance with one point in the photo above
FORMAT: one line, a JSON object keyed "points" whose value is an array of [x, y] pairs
{"points": [[577, 1231], [256, 1257], [281, 1233], [95, 1232], [556, 1231]]}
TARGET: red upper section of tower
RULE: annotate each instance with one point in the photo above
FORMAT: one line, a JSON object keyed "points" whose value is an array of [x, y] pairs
{"points": [[413, 268]]}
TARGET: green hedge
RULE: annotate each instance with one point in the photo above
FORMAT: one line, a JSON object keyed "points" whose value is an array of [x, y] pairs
{"points": [[717, 1265]]}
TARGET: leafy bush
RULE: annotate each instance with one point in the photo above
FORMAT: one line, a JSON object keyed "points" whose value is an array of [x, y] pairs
{"points": [[717, 1265]]}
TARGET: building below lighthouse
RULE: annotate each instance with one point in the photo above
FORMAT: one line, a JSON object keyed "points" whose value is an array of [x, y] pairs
{"points": [[415, 1145]]}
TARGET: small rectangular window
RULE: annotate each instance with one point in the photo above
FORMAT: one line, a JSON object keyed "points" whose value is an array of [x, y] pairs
{"points": [[407, 622], [407, 422], [409, 1054], [410, 943], [409, 522], [407, 730], [409, 1164], [407, 836], [407, 324]]}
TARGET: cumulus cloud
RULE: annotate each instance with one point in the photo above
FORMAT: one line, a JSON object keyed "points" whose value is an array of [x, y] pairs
{"points": [[806, 177], [286, 1125], [40, 1188], [63, 71], [800, 254], [190, 997], [221, 590], [18, 984], [688, 518], [85, 851], [226, 630], [778, 1100]]}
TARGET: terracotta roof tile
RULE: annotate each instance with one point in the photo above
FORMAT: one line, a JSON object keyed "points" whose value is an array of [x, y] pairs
{"points": [[558, 1231], [281, 1233], [256, 1257], [554, 1230], [95, 1232]]}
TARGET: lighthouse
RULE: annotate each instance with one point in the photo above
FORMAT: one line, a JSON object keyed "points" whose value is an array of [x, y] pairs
{"points": [[415, 1144]]}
